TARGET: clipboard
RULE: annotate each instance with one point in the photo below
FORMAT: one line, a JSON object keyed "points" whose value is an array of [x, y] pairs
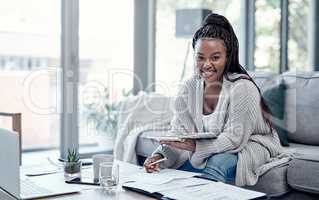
{"points": [[155, 195]]}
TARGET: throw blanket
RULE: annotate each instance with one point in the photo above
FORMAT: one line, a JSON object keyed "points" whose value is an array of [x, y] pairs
{"points": [[140, 113], [240, 128]]}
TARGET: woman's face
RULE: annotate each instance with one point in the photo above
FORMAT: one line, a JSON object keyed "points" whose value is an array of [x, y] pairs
{"points": [[210, 59]]}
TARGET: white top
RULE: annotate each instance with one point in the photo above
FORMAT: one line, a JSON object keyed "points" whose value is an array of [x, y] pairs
{"points": [[208, 122], [212, 121]]}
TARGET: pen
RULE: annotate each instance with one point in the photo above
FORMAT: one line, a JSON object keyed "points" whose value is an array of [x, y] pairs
{"points": [[81, 183], [158, 161]]}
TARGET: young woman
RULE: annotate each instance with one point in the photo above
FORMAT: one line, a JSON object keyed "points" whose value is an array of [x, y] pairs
{"points": [[221, 98]]}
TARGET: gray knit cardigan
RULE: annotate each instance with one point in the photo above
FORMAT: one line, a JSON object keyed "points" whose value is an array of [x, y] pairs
{"points": [[239, 127]]}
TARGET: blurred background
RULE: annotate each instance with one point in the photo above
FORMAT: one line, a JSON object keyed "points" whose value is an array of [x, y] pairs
{"points": [[274, 36]]}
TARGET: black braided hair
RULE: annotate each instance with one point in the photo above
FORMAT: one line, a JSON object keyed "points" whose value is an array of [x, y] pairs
{"points": [[216, 26]]}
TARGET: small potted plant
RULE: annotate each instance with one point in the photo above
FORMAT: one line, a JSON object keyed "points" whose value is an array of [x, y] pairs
{"points": [[72, 166]]}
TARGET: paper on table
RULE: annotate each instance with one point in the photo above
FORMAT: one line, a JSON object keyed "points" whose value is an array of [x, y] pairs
{"points": [[161, 177], [212, 191], [40, 170], [43, 169], [42, 166], [178, 183]]}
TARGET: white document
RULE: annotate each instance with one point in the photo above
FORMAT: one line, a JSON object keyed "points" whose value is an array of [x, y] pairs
{"points": [[45, 169], [175, 184], [212, 191], [161, 177], [38, 170]]}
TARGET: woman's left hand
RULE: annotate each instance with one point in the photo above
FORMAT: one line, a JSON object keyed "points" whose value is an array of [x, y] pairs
{"points": [[188, 144]]}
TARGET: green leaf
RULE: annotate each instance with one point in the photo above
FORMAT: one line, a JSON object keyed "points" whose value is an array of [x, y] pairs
{"points": [[73, 156]]}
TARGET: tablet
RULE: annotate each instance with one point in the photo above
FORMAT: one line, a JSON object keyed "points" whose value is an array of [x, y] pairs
{"points": [[181, 138], [166, 138], [200, 136]]}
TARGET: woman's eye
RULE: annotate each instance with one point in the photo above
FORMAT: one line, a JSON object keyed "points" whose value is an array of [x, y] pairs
{"points": [[215, 58], [200, 58]]}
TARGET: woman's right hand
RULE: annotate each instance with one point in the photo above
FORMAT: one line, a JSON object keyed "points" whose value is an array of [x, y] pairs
{"points": [[155, 167]]}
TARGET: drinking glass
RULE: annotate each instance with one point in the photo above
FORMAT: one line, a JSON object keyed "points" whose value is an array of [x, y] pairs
{"points": [[97, 160], [109, 175]]}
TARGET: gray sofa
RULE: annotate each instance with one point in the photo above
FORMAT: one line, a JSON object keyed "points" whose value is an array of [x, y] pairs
{"points": [[300, 178]]}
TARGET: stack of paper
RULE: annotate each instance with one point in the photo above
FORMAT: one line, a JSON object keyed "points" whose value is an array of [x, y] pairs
{"points": [[212, 191], [176, 184], [38, 170]]}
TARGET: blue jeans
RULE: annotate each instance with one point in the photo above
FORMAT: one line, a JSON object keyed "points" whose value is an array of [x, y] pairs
{"points": [[220, 167]]}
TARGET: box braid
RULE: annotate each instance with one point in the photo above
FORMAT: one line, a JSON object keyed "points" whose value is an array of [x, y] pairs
{"points": [[216, 26]]}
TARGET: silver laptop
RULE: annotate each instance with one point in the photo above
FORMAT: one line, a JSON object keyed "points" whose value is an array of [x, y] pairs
{"points": [[20, 186]]}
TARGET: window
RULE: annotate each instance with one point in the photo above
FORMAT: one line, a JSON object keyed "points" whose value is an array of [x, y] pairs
{"points": [[29, 61], [298, 35], [174, 55], [267, 27], [106, 67], [30, 58]]}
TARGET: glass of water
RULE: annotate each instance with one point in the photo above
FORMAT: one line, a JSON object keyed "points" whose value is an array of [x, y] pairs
{"points": [[109, 175]]}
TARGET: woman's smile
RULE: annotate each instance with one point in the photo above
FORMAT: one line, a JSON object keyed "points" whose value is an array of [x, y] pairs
{"points": [[208, 73]]}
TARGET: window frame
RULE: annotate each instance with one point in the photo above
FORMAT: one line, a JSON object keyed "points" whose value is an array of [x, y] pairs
{"points": [[69, 132]]}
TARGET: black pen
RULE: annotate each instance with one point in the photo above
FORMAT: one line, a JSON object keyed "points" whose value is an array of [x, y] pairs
{"points": [[78, 181]]}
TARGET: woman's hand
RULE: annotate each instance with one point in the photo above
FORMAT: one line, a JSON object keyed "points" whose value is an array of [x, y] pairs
{"points": [[155, 167], [187, 144]]}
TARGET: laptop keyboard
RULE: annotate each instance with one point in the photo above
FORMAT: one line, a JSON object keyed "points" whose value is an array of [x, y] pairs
{"points": [[30, 188]]}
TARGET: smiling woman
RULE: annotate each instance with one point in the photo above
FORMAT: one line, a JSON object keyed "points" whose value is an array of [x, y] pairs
{"points": [[221, 98]]}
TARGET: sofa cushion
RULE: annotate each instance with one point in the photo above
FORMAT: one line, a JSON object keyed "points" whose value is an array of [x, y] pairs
{"points": [[273, 91], [297, 195], [261, 78], [302, 168], [302, 107], [273, 182], [145, 146], [302, 175], [302, 151], [274, 97]]}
